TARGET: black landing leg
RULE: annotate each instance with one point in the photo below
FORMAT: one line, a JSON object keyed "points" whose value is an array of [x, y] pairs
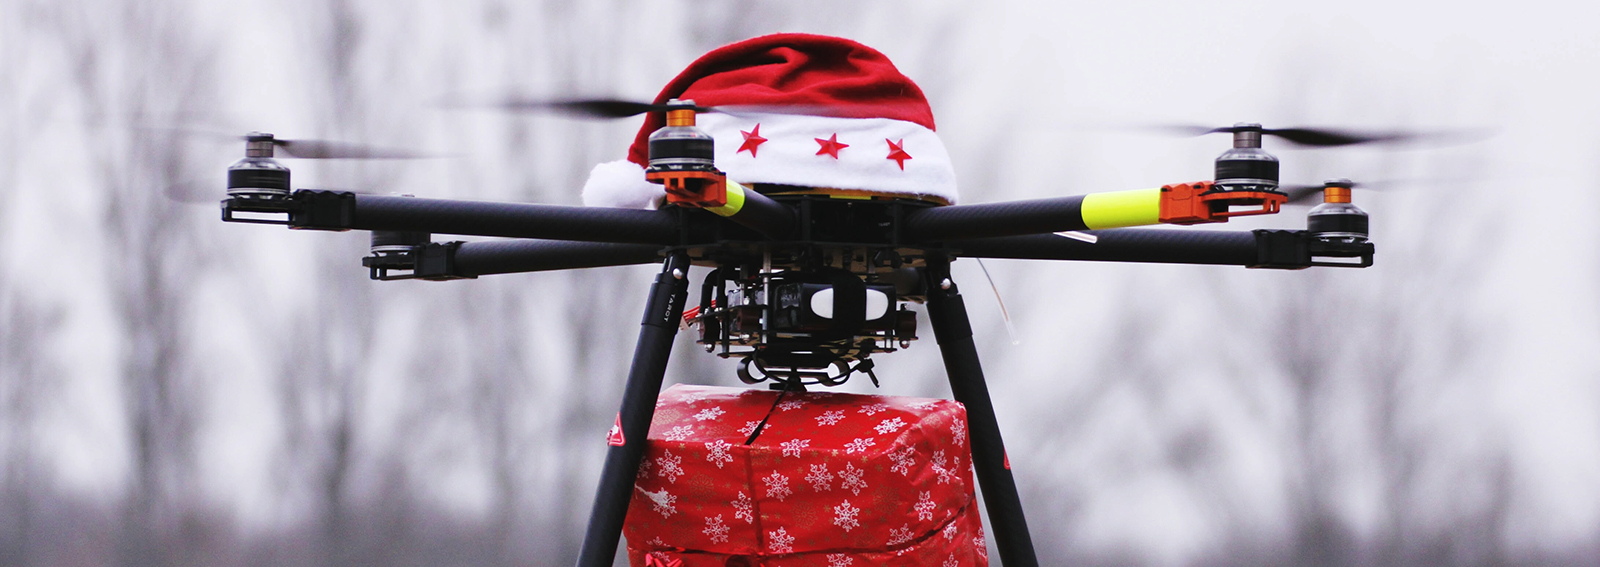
{"points": [[661, 315], [953, 331]]}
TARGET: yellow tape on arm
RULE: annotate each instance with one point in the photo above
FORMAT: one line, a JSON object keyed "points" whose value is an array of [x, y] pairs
{"points": [[735, 201], [1122, 208]]}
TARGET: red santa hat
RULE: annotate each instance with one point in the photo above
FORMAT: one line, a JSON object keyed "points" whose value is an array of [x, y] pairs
{"points": [[856, 124]]}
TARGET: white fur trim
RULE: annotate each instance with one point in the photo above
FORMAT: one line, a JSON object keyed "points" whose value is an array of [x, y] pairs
{"points": [[621, 184], [789, 156]]}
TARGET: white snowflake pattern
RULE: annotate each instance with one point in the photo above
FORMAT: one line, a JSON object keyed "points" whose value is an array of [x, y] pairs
{"points": [[743, 509], [860, 445], [791, 404], [717, 452], [693, 397], [820, 479], [852, 479], [750, 428], [889, 426], [839, 560], [951, 562], [716, 530], [662, 503], [792, 447], [900, 535], [946, 475], [780, 541], [923, 405], [903, 460], [950, 532], [669, 466], [958, 431], [977, 540], [925, 505], [656, 541], [951, 475], [844, 516], [678, 433], [709, 414], [777, 486], [873, 409], [644, 470], [830, 418]]}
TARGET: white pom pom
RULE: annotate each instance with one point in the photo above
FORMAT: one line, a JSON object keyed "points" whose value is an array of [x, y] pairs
{"points": [[621, 184]]}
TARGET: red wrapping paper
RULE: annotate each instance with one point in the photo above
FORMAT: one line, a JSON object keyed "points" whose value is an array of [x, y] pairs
{"points": [[833, 480]]}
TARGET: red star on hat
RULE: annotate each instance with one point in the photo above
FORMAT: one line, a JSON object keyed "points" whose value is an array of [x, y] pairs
{"points": [[898, 153], [830, 146], [752, 139]]}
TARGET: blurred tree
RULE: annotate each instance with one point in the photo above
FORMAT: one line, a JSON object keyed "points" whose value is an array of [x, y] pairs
{"points": [[1386, 378], [29, 377], [136, 60], [328, 352]]}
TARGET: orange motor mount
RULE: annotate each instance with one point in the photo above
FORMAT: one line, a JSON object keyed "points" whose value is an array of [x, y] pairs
{"points": [[682, 159], [1204, 202]]}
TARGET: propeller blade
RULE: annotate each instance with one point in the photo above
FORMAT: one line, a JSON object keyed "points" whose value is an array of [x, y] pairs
{"points": [[581, 108], [303, 149], [326, 149], [194, 191], [1328, 137], [1302, 194], [603, 108], [1312, 194], [607, 108]]}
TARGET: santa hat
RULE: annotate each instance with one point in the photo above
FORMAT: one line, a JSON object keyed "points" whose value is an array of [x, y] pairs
{"points": [[877, 137]]}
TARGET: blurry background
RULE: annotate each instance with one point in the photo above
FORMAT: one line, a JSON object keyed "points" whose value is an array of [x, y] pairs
{"points": [[179, 391]]}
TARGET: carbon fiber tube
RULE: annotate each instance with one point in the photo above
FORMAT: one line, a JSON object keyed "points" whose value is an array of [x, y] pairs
{"points": [[953, 331], [662, 313], [766, 216], [1174, 246], [1015, 218], [518, 256], [514, 220]]}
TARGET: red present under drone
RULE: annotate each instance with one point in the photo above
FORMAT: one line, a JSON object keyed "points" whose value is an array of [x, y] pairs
{"points": [[806, 173]]}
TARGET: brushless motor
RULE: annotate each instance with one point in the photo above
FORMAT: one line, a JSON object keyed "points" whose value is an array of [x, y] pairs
{"points": [[1245, 166], [257, 175], [1336, 217], [680, 145]]}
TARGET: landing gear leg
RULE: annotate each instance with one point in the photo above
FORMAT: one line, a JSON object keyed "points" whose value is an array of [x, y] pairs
{"points": [[661, 315], [953, 331]]}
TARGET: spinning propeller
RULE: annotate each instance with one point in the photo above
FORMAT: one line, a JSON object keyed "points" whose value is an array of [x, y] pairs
{"points": [[604, 108], [306, 148], [328, 149], [1327, 137], [260, 148], [1312, 194]]}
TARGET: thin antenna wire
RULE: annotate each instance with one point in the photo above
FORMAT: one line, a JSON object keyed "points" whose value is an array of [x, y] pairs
{"points": [[1011, 330]]}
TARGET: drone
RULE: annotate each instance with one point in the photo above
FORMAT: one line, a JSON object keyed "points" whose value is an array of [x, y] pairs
{"points": [[806, 284]]}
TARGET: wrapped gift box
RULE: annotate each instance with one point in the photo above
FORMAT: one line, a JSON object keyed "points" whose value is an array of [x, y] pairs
{"points": [[832, 479]]}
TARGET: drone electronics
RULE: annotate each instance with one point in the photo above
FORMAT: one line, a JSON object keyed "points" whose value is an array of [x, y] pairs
{"points": [[807, 281]]}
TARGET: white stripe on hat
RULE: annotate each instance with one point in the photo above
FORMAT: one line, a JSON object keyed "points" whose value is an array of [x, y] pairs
{"points": [[789, 156]]}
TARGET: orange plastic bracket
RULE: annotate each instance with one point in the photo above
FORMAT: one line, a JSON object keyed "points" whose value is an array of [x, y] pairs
{"points": [[705, 189], [1201, 202]]}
